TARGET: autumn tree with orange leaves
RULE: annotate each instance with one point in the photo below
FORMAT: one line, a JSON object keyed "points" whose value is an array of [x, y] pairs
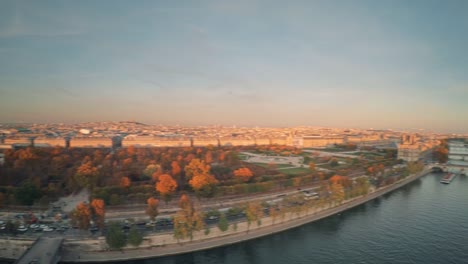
{"points": [[152, 208], [125, 182], [243, 173], [201, 181], [98, 212], [166, 186], [86, 175], [343, 180], [196, 167], [81, 216], [175, 168]]}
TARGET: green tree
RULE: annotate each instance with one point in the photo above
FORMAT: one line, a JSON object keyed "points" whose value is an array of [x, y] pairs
{"points": [[441, 152], [334, 162], [27, 193], [115, 237], [134, 237], [223, 223]]}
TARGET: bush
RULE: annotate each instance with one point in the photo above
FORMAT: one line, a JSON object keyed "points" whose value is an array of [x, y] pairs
{"points": [[114, 199], [115, 237], [134, 237], [223, 223]]}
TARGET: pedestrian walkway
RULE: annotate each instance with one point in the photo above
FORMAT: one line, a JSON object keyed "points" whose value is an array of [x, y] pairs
{"points": [[45, 250]]}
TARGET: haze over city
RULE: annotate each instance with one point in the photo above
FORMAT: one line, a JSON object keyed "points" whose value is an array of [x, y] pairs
{"points": [[234, 132], [385, 64]]}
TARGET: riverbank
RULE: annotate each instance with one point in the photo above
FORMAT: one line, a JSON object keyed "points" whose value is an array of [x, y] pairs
{"points": [[166, 245]]}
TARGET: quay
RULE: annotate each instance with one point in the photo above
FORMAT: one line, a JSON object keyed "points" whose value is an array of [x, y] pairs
{"points": [[268, 227]]}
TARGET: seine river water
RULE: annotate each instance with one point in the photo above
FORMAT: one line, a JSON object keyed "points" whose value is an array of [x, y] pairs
{"points": [[423, 222]]}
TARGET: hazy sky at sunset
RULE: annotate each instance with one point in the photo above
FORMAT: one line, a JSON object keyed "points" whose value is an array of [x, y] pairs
{"points": [[380, 64]]}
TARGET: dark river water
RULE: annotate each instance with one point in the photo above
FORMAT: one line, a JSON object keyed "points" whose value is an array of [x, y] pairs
{"points": [[423, 222]]}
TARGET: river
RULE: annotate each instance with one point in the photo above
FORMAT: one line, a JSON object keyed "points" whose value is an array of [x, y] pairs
{"points": [[423, 222]]}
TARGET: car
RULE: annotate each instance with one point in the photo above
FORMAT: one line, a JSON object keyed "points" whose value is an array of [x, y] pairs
{"points": [[150, 224], [22, 228], [48, 229]]}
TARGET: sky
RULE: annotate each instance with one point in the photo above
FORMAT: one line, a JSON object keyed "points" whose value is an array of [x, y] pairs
{"points": [[360, 64]]}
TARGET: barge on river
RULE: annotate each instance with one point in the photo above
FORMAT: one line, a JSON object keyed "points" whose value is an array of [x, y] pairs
{"points": [[448, 178]]}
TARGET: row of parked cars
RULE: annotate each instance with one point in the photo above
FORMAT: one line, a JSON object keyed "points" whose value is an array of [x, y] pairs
{"points": [[36, 227]]}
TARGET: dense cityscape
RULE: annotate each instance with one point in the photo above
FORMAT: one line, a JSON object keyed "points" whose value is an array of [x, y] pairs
{"points": [[233, 132], [122, 180]]}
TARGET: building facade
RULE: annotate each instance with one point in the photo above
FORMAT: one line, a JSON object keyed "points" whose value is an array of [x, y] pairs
{"points": [[458, 152], [409, 150]]}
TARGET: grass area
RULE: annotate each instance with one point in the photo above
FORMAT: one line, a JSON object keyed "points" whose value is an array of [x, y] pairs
{"points": [[329, 149], [242, 156], [368, 154], [278, 166], [294, 170]]}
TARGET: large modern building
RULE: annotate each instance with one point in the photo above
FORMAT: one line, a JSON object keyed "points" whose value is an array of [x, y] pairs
{"points": [[458, 152]]}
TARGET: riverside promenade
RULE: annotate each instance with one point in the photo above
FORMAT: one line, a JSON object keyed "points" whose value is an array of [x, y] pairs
{"points": [[166, 245]]}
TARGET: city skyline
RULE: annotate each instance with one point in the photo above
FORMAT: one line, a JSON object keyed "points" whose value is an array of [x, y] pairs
{"points": [[361, 64]]}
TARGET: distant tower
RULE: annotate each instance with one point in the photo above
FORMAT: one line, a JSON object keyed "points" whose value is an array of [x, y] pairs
{"points": [[116, 142], [31, 141], [67, 142], [191, 142]]}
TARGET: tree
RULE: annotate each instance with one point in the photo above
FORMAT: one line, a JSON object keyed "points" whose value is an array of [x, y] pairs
{"points": [[334, 162], [151, 169], [98, 212], [166, 186], [201, 181], [175, 168], [134, 237], [115, 237], [188, 220], [152, 208], [27, 193], [196, 167], [253, 213], [343, 180], [125, 182], [114, 199], [208, 157], [81, 216], [2, 200], [223, 223], [337, 193], [274, 213], [243, 173], [86, 175], [441, 152], [312, 166], [204, 185]]}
